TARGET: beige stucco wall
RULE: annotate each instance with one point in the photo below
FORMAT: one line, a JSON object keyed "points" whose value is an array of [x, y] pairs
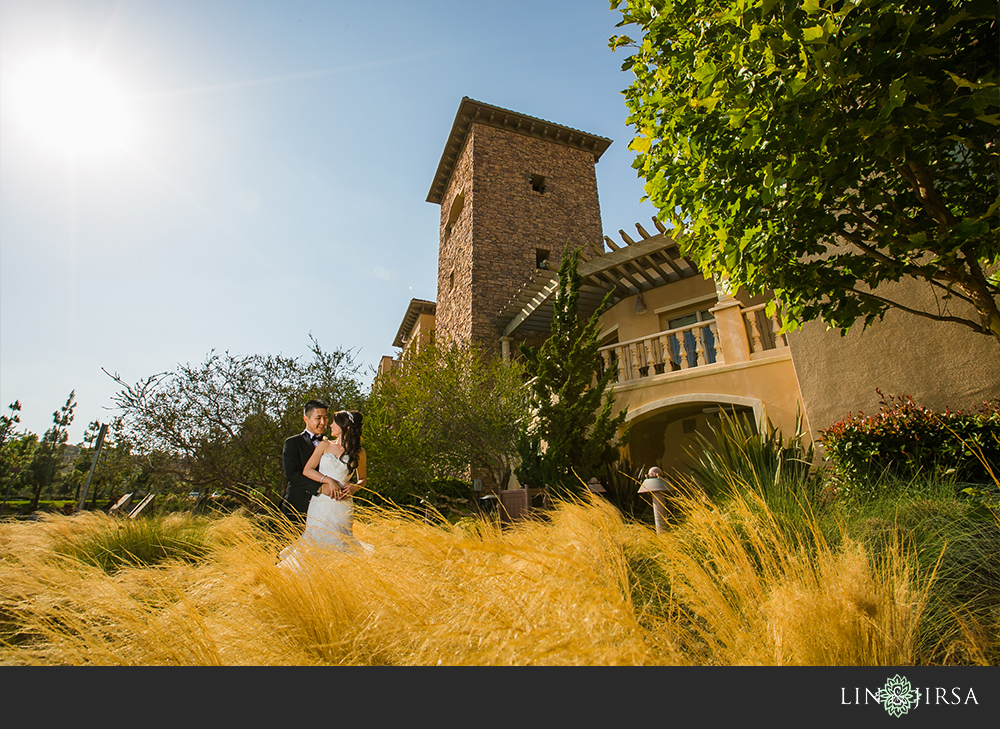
{"points": [[766, 386], [422, 333], [694, 292], [659, 406], [939, 364]]}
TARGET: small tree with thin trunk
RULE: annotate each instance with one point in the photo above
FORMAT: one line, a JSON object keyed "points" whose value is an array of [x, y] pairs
{"points": [[51, 448]]}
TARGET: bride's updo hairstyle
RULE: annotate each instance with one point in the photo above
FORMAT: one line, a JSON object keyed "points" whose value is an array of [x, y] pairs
{"points": [[349, 423]]}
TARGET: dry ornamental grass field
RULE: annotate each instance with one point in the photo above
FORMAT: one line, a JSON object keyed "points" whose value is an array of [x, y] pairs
{"points": [[580, 587]]}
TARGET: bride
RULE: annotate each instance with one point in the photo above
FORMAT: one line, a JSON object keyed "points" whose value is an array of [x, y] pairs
{"points": [[338, 465]]}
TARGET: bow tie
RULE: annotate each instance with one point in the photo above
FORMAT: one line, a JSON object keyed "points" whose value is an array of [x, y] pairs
{"points": [[315, 438]]}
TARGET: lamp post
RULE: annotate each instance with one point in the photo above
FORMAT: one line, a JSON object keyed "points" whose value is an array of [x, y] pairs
{"points": [[657, 488]]}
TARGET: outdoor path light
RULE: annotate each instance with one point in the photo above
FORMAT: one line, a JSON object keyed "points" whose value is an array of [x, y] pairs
{"points": [[657, 488]]}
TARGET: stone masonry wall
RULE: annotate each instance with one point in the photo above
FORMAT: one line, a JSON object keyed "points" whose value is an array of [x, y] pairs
{"points": [[491, 247], [454, 284]]}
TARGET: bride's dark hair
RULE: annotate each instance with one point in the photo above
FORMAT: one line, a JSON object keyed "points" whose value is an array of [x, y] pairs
{"points": [[350, 435]]}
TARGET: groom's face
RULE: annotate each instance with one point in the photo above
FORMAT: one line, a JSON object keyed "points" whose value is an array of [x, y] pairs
{"points": [[316, 420]]}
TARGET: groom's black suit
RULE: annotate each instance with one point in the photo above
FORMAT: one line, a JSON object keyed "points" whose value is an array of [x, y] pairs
{"points": [[294, 456]]}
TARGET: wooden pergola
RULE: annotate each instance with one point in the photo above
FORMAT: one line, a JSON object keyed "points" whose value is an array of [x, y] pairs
{"points": [[623, 270]]}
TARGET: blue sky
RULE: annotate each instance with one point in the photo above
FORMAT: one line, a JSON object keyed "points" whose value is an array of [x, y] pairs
{"points": [[279, 162]]}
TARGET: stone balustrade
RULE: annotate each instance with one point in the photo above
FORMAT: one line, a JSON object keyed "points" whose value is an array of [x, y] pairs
{"points": [[673, 350], [762, 331], [738, 334]]}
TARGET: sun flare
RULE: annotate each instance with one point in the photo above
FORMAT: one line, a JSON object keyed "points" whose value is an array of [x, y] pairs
{"points": [[71, 106]]}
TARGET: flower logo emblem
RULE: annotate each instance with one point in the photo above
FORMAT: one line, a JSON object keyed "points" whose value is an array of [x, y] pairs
{"points": [[898, 696]]}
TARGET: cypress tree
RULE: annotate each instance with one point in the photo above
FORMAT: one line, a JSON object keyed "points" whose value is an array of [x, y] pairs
{"points": [[575, 434]]}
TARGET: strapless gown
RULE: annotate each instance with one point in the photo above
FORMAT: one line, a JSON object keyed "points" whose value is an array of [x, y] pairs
{"points": [[329, 523]]}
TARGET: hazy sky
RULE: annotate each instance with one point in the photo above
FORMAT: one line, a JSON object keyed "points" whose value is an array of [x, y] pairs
{"points": [[276, 162]]}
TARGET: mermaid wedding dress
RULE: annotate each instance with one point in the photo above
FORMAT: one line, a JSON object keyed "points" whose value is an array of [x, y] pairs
{"points": [[329, 523]]}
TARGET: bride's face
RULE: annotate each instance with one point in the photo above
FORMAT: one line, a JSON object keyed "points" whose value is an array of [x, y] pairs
{"points": [[335, 430]]}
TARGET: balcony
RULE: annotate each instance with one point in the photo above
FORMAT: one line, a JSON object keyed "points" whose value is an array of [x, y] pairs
{"points": [[750, 333], [726, 338], [762, 331]]}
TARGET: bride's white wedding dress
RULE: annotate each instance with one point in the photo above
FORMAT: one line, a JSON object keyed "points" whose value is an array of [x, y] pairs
{"points": [[329, 523]]}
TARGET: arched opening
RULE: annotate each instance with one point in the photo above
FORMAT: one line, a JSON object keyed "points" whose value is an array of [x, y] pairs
{"points": [[665, 433]]}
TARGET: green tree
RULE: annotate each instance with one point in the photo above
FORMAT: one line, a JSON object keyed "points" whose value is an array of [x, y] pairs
{"points": [[17, 456], [825, 148], [7, 422], [574, 434], [50, 450], [445, 410], [221, 424]]}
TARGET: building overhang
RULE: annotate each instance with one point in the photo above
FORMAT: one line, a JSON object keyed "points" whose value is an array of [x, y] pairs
{"points": [[476, 112], [623, 271], [416, 308]]}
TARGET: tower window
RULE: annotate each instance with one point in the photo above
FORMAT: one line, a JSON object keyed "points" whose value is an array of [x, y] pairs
{"points": [[541, 258], [538, 183], [456, 210], [451, 279]]}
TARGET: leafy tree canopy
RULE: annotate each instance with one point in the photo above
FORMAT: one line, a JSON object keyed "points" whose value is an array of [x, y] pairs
{"points": [[16, 457], [7, 422], [222, 423], [118, 470], [822, 148], [51, 448], [444, 410]]}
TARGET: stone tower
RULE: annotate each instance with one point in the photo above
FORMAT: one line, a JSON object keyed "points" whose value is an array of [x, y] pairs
{"points": [[513, 191]]}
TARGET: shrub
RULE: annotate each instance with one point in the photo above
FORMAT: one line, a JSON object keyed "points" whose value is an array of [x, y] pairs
{"points": [[621, 481], [903, 440], [443, 410], [950, 541], [448, 496], [139, 542], [737, 454]]}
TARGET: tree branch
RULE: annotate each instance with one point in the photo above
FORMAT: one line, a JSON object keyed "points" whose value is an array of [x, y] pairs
{"points": [[922, 182], [979, 329], [941, 274]]}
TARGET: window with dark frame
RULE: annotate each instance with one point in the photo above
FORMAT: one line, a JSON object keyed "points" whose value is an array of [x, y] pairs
{"points": [[708, 340], [538, 183]]}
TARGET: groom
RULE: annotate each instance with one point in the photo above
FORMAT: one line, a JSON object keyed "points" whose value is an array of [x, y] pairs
{"points": [[294, 456]]}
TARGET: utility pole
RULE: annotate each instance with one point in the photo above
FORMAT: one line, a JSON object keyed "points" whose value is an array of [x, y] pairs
{"points": [[93, 466]]}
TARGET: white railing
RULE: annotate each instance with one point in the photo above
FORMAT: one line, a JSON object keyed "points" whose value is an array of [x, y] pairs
{"points": [[695, 345], [762, 330]]}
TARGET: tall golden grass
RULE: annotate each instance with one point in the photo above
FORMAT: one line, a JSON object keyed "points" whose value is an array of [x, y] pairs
{"points": [[582, 587]]}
